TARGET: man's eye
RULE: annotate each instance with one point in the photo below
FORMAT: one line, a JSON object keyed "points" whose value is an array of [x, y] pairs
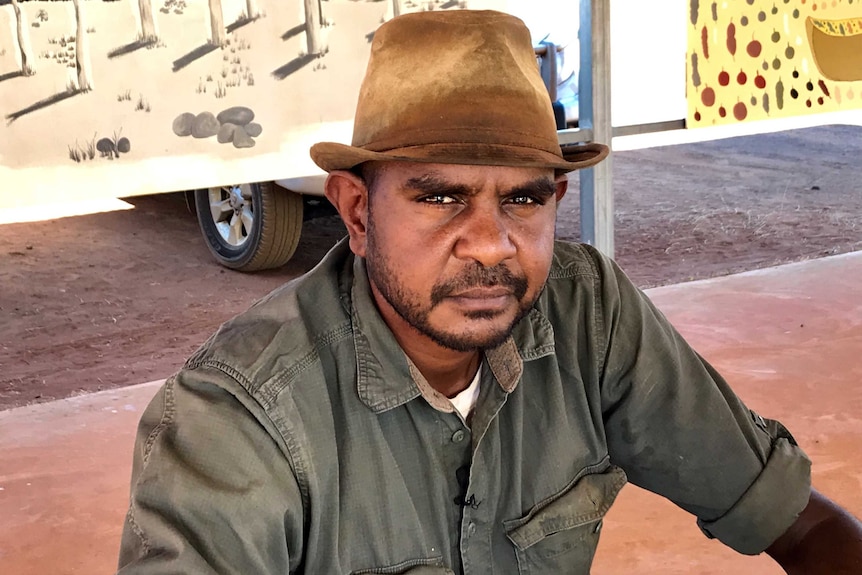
{"points": [[438, 199], [524, 200]]}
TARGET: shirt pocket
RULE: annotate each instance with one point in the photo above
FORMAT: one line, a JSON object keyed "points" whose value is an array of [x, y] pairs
{"points": [[560, 534], [412, 567]]}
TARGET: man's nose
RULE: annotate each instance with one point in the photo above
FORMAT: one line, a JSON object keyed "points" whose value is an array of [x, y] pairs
{"points": [[485, 237]]}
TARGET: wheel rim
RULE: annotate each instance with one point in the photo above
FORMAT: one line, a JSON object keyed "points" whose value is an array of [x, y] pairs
{"points": [[232, 213]]}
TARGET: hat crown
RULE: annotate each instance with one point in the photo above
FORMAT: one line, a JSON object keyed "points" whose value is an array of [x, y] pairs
{"points": [[459, 77]]}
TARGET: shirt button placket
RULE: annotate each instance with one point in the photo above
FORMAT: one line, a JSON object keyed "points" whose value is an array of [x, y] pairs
{"points": [[476, 544], [469, 546]]}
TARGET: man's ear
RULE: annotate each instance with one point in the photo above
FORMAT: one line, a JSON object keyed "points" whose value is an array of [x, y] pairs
{"points": [[348, 193], [562, 184]]}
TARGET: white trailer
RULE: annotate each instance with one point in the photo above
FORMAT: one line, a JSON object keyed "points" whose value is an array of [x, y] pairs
{"points": [[104, 99]]}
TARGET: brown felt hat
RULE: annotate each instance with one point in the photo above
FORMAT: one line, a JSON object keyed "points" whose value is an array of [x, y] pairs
{"points": [[455, 87]]}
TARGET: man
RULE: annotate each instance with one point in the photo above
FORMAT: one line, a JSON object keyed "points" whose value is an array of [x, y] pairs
{"points": [[450, 391]]}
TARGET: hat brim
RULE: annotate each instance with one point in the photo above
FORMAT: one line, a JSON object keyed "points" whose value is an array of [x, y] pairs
{"points": [[334, 156]]}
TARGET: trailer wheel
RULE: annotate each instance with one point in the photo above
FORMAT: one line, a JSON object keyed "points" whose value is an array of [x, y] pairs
{"points": [[250, 227]]}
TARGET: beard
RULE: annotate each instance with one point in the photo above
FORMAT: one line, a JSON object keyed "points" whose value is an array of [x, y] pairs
{"points": [[408, 305]]}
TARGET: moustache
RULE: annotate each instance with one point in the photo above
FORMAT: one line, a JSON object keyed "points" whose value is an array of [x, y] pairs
{"points": [[479, 276]]}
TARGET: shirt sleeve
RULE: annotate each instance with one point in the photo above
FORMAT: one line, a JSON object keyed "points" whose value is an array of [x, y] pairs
{"points": [[211, 491], [677, 429]]}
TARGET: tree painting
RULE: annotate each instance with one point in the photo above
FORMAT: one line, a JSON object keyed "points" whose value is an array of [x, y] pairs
{"points": [[312, 26], [148, 22], [24, 47], [82, 50], [218, 36], [251, 11], [396, 8]]}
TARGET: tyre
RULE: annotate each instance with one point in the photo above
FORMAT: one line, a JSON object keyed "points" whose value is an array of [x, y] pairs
{"points": [[250, 227]]}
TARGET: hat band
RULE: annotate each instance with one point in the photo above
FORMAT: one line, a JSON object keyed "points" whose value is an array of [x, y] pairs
{"points": [[430, 138]]}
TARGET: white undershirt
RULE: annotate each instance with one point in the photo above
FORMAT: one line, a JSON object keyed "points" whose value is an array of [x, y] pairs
{"points": [[465, 401]]}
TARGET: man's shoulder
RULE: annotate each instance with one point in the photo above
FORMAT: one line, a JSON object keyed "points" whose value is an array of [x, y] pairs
{"points": [[286, 327], [583, 273], [574, 260]]}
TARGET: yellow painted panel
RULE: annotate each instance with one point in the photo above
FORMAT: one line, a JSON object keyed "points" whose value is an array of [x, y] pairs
{"points": [[754, 59]]}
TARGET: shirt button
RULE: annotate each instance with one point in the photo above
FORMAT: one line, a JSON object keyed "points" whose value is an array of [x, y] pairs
{"points": [[471, 528], [458, 436]]}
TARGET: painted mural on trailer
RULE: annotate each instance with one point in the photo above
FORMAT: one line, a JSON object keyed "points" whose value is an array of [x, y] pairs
{"points": [[757, 59], [92, 83]]}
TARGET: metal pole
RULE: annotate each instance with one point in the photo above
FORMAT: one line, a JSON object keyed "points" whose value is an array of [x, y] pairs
{"points": [[594, 92]]}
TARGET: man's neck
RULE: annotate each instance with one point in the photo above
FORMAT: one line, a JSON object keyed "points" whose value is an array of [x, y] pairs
{"points": [[446, 370], [449, 373]]}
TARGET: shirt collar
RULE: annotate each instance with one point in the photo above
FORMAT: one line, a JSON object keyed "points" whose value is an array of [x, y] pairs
{"points": [[386, 378]]}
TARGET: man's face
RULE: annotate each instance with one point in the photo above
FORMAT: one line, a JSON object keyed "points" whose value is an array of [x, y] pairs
{"points": [[459, 253]]}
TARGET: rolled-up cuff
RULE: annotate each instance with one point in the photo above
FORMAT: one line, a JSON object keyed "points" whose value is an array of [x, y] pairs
{"points": [[769, 506]]}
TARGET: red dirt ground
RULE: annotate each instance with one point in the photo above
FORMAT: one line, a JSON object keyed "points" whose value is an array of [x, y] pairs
{"points": [[94, 302]]}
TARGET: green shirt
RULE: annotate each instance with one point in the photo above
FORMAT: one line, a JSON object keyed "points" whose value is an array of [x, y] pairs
{"points": [[301, 439]]}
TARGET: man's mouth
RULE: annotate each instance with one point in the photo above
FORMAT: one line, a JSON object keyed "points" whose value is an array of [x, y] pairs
{"points": [[483, 293], [481, 288], [482, 298]]}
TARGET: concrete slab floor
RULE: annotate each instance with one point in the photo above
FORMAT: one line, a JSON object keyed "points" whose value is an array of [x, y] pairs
{"points": [[789, 339]]}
